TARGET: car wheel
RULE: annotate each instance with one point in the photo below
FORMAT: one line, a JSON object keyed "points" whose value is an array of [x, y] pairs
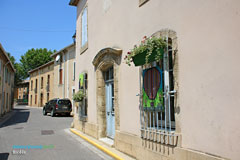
{"points": [[44, 112], [52, 113]]}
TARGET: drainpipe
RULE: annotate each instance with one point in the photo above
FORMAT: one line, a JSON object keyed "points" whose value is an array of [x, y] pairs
{"points": [[3, 96]]}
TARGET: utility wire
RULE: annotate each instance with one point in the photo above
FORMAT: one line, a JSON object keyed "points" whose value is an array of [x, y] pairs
{"points": [[30, 30]]}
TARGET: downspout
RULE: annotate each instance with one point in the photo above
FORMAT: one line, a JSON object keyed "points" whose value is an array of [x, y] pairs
{"points": [[3, 96]]}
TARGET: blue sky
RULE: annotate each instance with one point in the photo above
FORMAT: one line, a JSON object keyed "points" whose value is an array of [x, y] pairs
{"points": [[26, 24]]}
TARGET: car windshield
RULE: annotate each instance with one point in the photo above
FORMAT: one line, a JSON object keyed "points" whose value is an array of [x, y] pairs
{"points": [[64, 102]]}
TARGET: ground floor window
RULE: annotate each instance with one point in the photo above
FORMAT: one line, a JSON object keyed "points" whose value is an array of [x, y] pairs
{"points": [[158, 96], [83, 85]]}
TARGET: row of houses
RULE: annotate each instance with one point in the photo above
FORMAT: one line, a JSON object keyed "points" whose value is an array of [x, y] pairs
{"points": [[54, 79], [199, 78], [7, 72]]}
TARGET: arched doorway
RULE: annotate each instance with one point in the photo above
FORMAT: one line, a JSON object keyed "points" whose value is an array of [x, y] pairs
{"points": [[106, 64]]}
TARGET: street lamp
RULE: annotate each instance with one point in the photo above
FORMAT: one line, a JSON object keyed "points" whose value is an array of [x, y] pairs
{"points": [[74, 37]]}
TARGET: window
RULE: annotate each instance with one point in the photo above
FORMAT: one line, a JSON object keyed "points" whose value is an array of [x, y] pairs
{"points": [[36, 81], [6, 74], [74, 70], [0, 65], [60, 76], [48, 83], [42, 83], [83, 78], [157, 100], [9, 75], [35, 99], [48, 80], [31, 85], [84, 27], [47, 97]]}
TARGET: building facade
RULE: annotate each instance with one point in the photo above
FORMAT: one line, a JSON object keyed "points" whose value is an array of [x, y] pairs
{"points": [[7, 72], [41, 85], [64, 72], [199, 119], [21, 92]]}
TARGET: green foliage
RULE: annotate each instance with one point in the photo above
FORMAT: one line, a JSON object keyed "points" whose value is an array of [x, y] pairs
{"points": [[34, 58], [18, 75], [147, 45], [78, 97]]}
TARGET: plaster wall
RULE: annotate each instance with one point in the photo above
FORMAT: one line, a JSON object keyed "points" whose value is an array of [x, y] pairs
{"points": [[207, 36]]}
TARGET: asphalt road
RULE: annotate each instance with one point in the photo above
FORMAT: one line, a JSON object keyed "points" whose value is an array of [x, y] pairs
{"points": [[45, 138]]}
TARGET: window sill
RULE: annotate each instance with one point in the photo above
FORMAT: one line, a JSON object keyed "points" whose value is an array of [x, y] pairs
{"points": [[84, 48]]}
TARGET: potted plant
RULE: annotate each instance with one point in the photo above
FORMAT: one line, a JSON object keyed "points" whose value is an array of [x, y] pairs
{"points": [[151, 49], [79, 96]]}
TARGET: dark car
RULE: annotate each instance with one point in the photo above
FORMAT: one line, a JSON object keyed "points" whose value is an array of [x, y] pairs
{"points": [[58, 106]]}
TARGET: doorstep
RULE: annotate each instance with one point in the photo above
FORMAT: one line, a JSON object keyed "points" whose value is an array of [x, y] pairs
{"points": [[103, 144], [107, 141]]}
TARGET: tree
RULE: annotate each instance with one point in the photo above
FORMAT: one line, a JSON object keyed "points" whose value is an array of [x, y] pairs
{"points": [[34, 58]]}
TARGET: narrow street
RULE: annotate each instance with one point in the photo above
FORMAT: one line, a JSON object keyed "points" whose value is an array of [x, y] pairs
{"points": [[28, 127]]}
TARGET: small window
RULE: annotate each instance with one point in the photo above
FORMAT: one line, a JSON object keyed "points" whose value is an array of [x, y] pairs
{"points": [[84, 27], [74, 70], [60, 77], [47, 97], [42, 83], [35, 99], [36, 81], [6, 76], [31, 85]]}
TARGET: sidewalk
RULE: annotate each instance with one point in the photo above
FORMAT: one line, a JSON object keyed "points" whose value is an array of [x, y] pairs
{"points": [[6, 117], [102, 146]]}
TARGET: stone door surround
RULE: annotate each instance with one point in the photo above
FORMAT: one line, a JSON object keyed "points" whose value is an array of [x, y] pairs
{"points": [[104, 59]]}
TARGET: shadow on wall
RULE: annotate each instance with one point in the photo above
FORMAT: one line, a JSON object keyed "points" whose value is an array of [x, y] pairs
{"points": [[4, 156], [21, 116]]}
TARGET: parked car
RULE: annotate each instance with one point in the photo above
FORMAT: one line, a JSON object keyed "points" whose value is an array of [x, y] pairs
{"points": [[58, 106]]}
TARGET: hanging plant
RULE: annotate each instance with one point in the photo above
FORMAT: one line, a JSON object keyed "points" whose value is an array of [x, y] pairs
{"points": [[151, 49], [79, 96]]}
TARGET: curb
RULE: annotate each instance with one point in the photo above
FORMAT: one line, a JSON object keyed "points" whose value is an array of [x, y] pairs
{"points": [[97, 145]]}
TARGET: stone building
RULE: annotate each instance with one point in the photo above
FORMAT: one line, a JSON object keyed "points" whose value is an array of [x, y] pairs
{"points": [[7, 72], [21, 92], [200, 70], [64, 72], [41, 85]]}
